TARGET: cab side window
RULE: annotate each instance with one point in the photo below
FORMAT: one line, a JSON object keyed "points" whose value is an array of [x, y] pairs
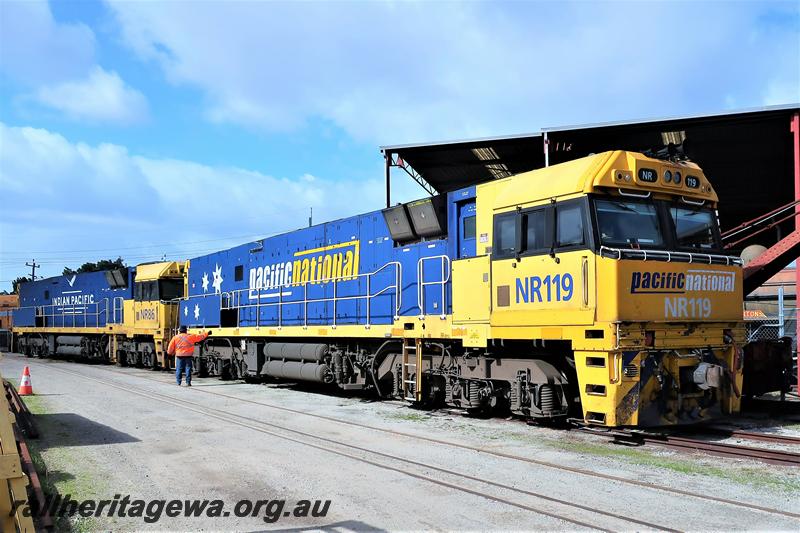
{"points": [[569, 221], [522, 233], [148, 292], [506, 243], [145, 291], [535, 228], [540, 230], [137, 292]]}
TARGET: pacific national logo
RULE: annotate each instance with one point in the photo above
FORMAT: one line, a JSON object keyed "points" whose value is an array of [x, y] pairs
{"points": [[694, 280], [320, 265]]}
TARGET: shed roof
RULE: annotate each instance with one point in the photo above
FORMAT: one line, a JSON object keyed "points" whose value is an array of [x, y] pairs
{"points": [[746, 154]]}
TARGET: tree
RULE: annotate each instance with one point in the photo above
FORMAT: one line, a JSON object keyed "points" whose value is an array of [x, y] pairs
{"points": [[16, 282], [103, 264]]}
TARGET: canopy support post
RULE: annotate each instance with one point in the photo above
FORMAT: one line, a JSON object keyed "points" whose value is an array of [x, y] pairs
{"points": [[387, 162]]}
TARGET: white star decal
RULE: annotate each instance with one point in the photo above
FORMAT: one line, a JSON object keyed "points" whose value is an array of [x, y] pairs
{"points": [[217, 283], [196, 311], [205, 282], [186, 311]]}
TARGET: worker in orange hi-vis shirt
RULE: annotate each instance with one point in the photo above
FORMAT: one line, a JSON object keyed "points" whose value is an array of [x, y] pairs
{"points": [[182, 347]]}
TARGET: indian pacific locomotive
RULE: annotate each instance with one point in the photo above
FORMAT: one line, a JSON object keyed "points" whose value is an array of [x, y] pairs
{"points": [[595, 289], [125, 315]]}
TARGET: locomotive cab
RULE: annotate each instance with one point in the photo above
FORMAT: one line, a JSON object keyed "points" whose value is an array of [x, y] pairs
{"points": [[626, 275], [151, 317]]}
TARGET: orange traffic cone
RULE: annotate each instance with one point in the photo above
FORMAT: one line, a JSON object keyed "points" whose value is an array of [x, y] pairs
{"points": [[25, 387]]}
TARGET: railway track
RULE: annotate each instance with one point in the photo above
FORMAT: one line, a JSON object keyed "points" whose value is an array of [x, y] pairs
{"points": [[489, 452], [751, 435], [682, 443], [401, 464]]}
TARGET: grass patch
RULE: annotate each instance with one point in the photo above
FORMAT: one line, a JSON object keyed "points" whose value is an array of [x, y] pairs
{"points": [[45, 455], [414, 417], [745, 476]]}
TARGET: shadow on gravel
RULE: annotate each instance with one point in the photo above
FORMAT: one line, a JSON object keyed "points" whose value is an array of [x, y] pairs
{"points": [[336, 527], [322, 389], [69, 429], [58, 476]]}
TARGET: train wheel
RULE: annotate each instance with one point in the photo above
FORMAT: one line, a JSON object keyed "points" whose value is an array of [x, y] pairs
{"points": [[238, 369], [202, 367], [226, 371]]}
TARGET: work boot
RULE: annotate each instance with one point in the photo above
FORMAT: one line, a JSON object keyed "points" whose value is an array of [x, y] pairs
{"points": [[188, 384]]}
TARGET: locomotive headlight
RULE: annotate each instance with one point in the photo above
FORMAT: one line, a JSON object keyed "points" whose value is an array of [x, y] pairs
{"points": [[677, 178], [668, 176]]}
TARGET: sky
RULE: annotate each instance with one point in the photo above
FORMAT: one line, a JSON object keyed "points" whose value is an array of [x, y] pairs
{"points": [[154, 129]]}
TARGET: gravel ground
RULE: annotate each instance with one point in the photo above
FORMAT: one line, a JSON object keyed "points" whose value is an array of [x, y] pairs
{"points": [[108, 437]]}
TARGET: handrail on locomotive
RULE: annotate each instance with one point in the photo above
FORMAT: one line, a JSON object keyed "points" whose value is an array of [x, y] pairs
{"points": [[421, 283], [40, 311], [232, 300]]}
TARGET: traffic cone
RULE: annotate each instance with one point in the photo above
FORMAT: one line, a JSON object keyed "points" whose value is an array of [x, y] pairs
{"points": [[25, 387]]}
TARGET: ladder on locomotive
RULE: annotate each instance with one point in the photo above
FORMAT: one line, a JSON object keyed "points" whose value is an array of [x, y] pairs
{"points": [[412, 366]]}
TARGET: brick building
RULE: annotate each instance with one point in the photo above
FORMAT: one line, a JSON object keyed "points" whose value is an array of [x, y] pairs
{"points": [[7, 303]]}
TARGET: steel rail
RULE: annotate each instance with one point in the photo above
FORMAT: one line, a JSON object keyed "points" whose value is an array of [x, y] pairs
{"points": [[677, 442], [766, 437], [751, 435], [775, 457], [248, 422], [539, 462]]}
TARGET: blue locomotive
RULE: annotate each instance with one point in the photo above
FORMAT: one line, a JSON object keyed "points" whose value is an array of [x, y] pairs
{"points": [[354, 279]]}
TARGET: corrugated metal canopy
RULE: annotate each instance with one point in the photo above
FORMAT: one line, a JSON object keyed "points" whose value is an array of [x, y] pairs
{"points": [[747, 154], [453, 165]]}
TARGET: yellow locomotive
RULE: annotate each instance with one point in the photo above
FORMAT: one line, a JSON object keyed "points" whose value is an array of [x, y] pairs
{"points": [[596, 289], [617, 259]]}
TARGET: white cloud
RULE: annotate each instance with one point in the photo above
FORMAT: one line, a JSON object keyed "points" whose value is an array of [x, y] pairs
{"points": [[396, 72], [35, 49], [59, 195], [102, 96], [53, 64]]}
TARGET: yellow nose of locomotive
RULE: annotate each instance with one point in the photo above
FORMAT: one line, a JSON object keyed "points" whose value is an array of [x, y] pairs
{"points": [[677, 325]]}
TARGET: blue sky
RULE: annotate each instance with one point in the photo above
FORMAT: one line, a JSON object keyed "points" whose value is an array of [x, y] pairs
{"points": [[113, 113]]}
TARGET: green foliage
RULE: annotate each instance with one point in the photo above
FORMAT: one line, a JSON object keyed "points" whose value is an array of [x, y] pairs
{"points": [[16, 282], [103, 264]]}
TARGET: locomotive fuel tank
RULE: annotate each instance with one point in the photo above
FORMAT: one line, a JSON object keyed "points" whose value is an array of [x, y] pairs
{"points": [[298, 361]]}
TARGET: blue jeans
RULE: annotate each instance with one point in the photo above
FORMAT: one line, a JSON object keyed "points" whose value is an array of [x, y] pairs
{"points": [[181, 364]]}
